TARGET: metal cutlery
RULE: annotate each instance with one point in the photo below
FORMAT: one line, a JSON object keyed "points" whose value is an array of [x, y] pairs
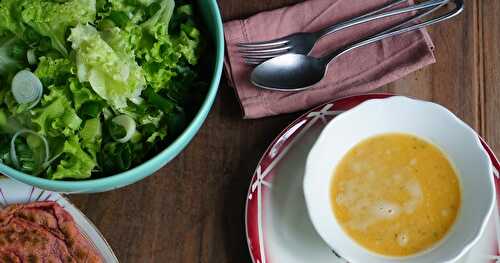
{"points": [[303, 42], [295, 72]]}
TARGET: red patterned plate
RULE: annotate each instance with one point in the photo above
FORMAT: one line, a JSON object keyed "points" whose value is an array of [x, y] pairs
{"points": [[277, 226]]}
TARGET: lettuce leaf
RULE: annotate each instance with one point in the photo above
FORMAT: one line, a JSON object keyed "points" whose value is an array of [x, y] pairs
{"points": [[166, 56], [11, 121], [54, 71], [53, 18], [112, 72], [61, 72], [91, 135], [116, 157], [159, 21], [140, 61], [87, 103], [123, 11], [75, 163], [56, 116], [9, 11]]}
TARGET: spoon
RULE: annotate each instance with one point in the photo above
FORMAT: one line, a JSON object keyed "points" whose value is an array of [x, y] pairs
{"points": [[295, 72]]}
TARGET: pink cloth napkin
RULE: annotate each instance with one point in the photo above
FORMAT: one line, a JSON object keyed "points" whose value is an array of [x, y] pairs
{"points": [[359, 71]]}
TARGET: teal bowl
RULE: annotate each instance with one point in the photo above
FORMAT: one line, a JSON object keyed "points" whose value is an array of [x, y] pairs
{"points": [[213, 22]]}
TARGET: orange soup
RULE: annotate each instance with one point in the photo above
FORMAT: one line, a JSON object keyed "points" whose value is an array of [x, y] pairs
{"points": [[395, 194]]}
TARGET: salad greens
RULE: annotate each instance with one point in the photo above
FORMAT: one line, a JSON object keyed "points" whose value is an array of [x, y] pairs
{"points": [[120, 79], [109, 67]]}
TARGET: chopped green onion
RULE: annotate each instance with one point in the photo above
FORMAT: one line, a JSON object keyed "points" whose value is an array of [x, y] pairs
{"points": [[17, 52], [13, 154], [106, 112], [136, 137], [71, 120], [31, 56], [128, 124], [27, 88], [90, 110], [158, 101], [115, 157], [3, 119], [137, 100], [120, 18], [91, 130], [116, 131]]}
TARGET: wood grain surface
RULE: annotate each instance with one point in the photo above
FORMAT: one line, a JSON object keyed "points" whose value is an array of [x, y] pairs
{"points": [[192, 210]]}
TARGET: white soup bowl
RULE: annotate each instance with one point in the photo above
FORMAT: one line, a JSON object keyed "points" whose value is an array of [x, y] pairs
{"points": [[426, 120]]}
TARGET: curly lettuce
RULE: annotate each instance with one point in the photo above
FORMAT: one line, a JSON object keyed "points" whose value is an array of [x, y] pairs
{"points": [[97, 60], [75, 163], [56, 116], [62, 16], [56, 71], [161, 19], [166, 57], [9, 24], [113, 73]]}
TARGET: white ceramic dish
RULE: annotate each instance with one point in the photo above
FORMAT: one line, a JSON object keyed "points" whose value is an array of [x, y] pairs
{"points": [[278, 228], [423, 119], [12, 192]]}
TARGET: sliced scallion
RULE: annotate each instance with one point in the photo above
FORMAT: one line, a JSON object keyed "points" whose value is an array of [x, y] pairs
{"points": [[27, 88], [13, 153], [128, 124], [31, 56], [160, 102], [107, 113]]}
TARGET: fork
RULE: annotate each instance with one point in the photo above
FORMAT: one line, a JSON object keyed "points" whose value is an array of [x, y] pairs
{"points": [[295, 72], [303, 42]]}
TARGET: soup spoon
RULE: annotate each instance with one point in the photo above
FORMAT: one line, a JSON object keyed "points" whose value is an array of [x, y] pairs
{"points": [[295, 72]]}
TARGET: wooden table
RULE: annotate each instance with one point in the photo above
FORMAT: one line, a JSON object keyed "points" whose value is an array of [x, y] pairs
{"points": [[192, 210]]}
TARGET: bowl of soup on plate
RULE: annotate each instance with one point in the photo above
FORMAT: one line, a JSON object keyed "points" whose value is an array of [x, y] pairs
{"points": [[399, 180]]}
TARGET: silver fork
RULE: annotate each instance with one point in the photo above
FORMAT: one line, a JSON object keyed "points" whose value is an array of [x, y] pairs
{"points": [[303, 42], [295, 72]]}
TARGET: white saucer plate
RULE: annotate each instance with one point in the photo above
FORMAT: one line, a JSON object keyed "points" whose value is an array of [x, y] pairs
{"points": [[12, 192], [277, 225]]}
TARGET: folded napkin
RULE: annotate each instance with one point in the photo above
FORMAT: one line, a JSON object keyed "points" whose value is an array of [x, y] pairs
{"points": [[361, 70]]}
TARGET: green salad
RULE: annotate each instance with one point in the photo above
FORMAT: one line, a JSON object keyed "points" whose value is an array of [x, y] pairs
{"points": [[89, 88]]}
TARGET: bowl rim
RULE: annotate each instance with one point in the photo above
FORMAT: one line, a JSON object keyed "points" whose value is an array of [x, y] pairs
{"points": [[478, 231], [155, 163]]}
